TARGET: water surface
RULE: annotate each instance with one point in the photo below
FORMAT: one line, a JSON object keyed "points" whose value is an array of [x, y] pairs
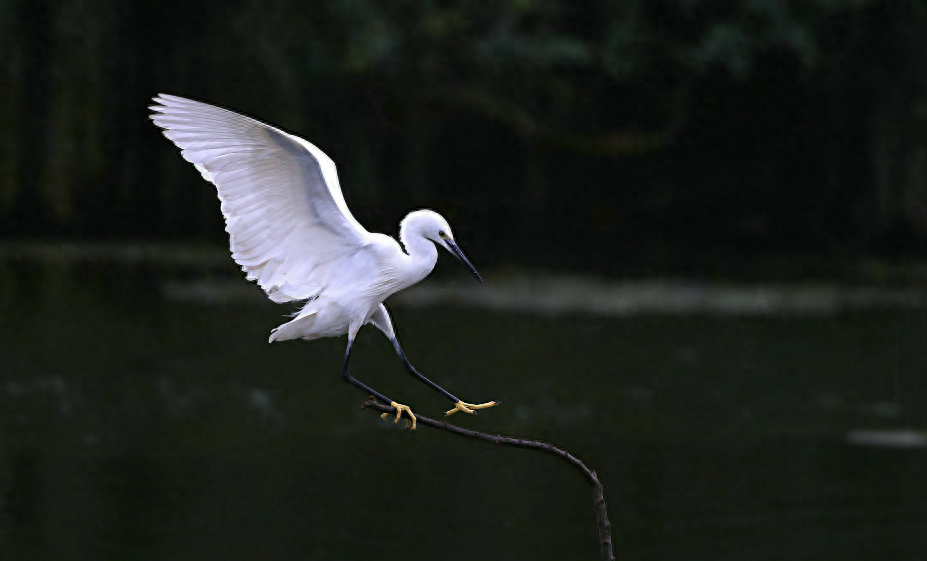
{"points": [[136, 425]]}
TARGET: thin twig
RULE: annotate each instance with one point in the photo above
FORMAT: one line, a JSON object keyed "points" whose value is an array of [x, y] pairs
{"points": [[598, 494]]}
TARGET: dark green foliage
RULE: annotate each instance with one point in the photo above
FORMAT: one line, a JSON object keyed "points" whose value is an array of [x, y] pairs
{"points": [[672, 125]]}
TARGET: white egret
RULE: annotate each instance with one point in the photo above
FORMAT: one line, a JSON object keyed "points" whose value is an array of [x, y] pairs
{"points": [[291, 231]]}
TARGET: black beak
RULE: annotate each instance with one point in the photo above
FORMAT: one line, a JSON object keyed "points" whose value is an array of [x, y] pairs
{"points": [[452, 247]]}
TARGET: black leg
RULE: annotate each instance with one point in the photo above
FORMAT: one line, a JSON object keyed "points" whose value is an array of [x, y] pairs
{"points": [[400, 409], [415, 373], [357, 383]]}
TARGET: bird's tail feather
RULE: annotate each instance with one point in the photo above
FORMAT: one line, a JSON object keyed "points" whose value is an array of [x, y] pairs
{"points": [[300, 326]]}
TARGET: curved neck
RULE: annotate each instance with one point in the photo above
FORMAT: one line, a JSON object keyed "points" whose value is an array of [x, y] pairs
{"points": [[422, 253]]}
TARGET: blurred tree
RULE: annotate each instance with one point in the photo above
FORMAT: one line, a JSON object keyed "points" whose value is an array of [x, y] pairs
{"points": [[649, 125]]}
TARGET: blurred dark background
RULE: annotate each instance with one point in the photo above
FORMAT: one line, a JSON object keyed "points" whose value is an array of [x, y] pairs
{"points": [[702, 225], [609, 134]]}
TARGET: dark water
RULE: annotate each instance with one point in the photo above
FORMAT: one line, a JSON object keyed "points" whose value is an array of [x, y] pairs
{"points": [[134, 427]]}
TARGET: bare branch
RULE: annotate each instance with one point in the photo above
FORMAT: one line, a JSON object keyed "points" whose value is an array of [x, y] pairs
{"points": [[598, 494]]}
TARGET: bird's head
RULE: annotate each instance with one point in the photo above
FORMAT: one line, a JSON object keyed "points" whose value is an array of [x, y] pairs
{"points": [[432, 226]]}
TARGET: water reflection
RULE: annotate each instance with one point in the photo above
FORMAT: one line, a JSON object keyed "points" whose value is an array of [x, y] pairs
{"points": [[137, 424]]}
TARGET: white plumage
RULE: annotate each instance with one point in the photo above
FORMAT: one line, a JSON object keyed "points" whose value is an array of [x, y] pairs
{"points": [[290, 228]]}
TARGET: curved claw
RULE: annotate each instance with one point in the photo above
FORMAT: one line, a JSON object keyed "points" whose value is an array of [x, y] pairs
{"points": [[399, 409], [469, 407]]}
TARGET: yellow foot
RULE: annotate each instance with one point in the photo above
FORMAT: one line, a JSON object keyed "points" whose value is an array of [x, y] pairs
{"points": [[399, 410], [469, 407]]}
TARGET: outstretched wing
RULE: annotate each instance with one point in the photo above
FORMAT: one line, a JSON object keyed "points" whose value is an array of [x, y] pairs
{"points": [[288, 224]]}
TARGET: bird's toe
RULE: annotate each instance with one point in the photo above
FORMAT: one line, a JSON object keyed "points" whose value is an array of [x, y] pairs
{"points": [[399, 410], [470, 407]]}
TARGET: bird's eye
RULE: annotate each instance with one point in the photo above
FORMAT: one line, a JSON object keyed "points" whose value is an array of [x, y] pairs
{"points": [[442, 235]]}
